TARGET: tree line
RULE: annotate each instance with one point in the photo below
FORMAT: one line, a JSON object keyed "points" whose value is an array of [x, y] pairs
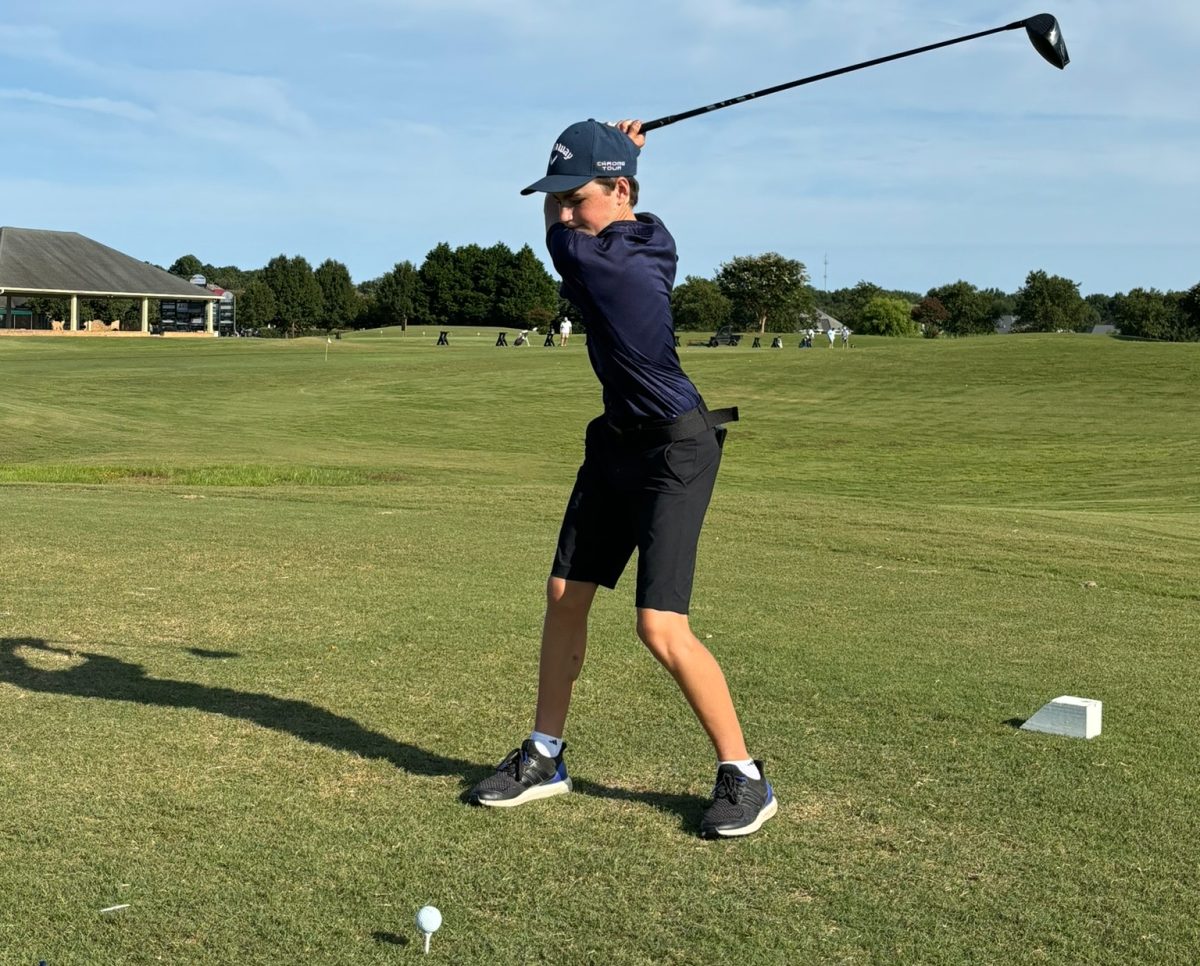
{"points": [[772, 293], [495, 286], [474, 285], [468, 285]]}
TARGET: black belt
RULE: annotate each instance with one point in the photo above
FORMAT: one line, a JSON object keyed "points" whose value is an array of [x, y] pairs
{"points": [[659, 431]]}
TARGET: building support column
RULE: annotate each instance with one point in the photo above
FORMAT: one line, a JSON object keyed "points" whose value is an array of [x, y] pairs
{"points": [[145, 315], [74, 313], [8, 319], [208, 317]]}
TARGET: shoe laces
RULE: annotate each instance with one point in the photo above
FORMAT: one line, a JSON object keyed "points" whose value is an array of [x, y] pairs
{"points": [[728, 786], [513, 764]]}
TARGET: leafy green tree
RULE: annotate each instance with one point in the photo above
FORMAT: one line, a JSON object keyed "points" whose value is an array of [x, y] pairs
{"points": [[847, 304], [1051, 303], [256, 306], [298, 300], [186, 266], [439, 298], [528, 294], [968, 309], [930, 316], [396, 296], [95, 309], [127, 311], [56, 308], [340, 302], [1189, 306], [796, 314], [698, 305], [366, 300], [999, 303], [766, 289], [887, 316], [1105, 306], [228, 276], [1149, 314], [484, 272]]}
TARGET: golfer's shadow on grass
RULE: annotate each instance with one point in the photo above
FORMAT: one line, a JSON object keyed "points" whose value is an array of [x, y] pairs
{"points": [[111, 679]]}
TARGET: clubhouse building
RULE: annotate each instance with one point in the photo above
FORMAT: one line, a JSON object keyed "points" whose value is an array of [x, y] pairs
{"points": [[38, 265]]}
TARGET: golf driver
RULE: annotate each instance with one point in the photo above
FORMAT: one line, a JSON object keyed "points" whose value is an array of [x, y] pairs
{"points": [[1042, 29]]}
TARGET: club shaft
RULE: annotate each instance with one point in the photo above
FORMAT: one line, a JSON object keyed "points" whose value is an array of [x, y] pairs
{"points": [[672, 118]]}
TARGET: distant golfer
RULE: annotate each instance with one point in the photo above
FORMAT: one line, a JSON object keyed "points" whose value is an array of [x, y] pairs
{"points": [[564, 331], [832, 335], [845, 337], [649, 466]]}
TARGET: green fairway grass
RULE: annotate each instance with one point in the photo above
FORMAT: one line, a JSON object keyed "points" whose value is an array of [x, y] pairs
{"points": [[268, 608]]}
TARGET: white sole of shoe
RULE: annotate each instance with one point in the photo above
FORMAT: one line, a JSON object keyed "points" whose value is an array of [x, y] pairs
{"points": [[533, 794], [768, 810]]}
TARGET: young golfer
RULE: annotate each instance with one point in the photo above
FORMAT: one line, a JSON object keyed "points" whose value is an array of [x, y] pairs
{"points": [[649, 465]]}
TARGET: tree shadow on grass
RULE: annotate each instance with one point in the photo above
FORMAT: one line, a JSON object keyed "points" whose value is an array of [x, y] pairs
{"points": [[111, 679]]}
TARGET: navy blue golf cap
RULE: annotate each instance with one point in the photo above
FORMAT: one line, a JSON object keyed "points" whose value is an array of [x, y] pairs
{"points": [[587, 150]]}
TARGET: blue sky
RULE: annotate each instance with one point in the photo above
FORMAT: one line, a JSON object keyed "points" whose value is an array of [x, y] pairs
{"points": [[371, 130]]}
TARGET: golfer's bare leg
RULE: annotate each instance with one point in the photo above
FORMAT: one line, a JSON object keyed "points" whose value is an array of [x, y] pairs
{"points": [[670, 639], [564, 643]]}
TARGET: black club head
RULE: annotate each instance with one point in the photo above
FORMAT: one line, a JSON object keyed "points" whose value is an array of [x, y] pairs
{"points": [[1046, 37]]}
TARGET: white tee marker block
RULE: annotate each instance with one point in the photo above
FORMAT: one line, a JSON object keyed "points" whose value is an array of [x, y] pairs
{"points": [[1073, 717]]}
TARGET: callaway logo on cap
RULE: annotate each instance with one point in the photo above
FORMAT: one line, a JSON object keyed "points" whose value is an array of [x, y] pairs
{"points": [[584, 151]]}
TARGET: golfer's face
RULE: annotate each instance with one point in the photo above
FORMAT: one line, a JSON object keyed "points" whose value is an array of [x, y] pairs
{"points": [[589, 209]]}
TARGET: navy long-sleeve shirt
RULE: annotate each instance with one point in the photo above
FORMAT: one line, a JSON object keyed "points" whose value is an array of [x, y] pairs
{"points": [[621, 281]]}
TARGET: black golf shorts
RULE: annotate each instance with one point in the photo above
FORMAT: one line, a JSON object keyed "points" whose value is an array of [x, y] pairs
{"points": [[652, 497]]}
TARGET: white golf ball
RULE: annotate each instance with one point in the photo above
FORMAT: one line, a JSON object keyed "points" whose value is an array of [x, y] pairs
{"points": [[429, 919]]}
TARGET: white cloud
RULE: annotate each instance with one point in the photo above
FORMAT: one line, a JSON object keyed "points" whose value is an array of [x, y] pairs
{"points": [[96, 105]]}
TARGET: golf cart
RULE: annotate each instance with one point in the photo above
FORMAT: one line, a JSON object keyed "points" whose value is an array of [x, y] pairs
{"points": [[724, 336]]}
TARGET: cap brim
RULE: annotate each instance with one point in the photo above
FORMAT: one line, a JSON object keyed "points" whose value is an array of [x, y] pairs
{"points": [[553, 183]]}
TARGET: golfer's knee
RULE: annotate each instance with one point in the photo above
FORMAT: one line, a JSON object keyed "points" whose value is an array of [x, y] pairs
{"points": [[569, 597], [668, 637]]}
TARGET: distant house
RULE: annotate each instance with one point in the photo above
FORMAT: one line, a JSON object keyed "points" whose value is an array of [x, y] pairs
{"points": [[1005, 323], [823, 321], [1105, 330]]}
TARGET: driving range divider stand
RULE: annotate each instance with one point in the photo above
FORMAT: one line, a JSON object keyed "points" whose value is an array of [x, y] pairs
{"points": [[1069, 716], [502, 339], [443, 338]]}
